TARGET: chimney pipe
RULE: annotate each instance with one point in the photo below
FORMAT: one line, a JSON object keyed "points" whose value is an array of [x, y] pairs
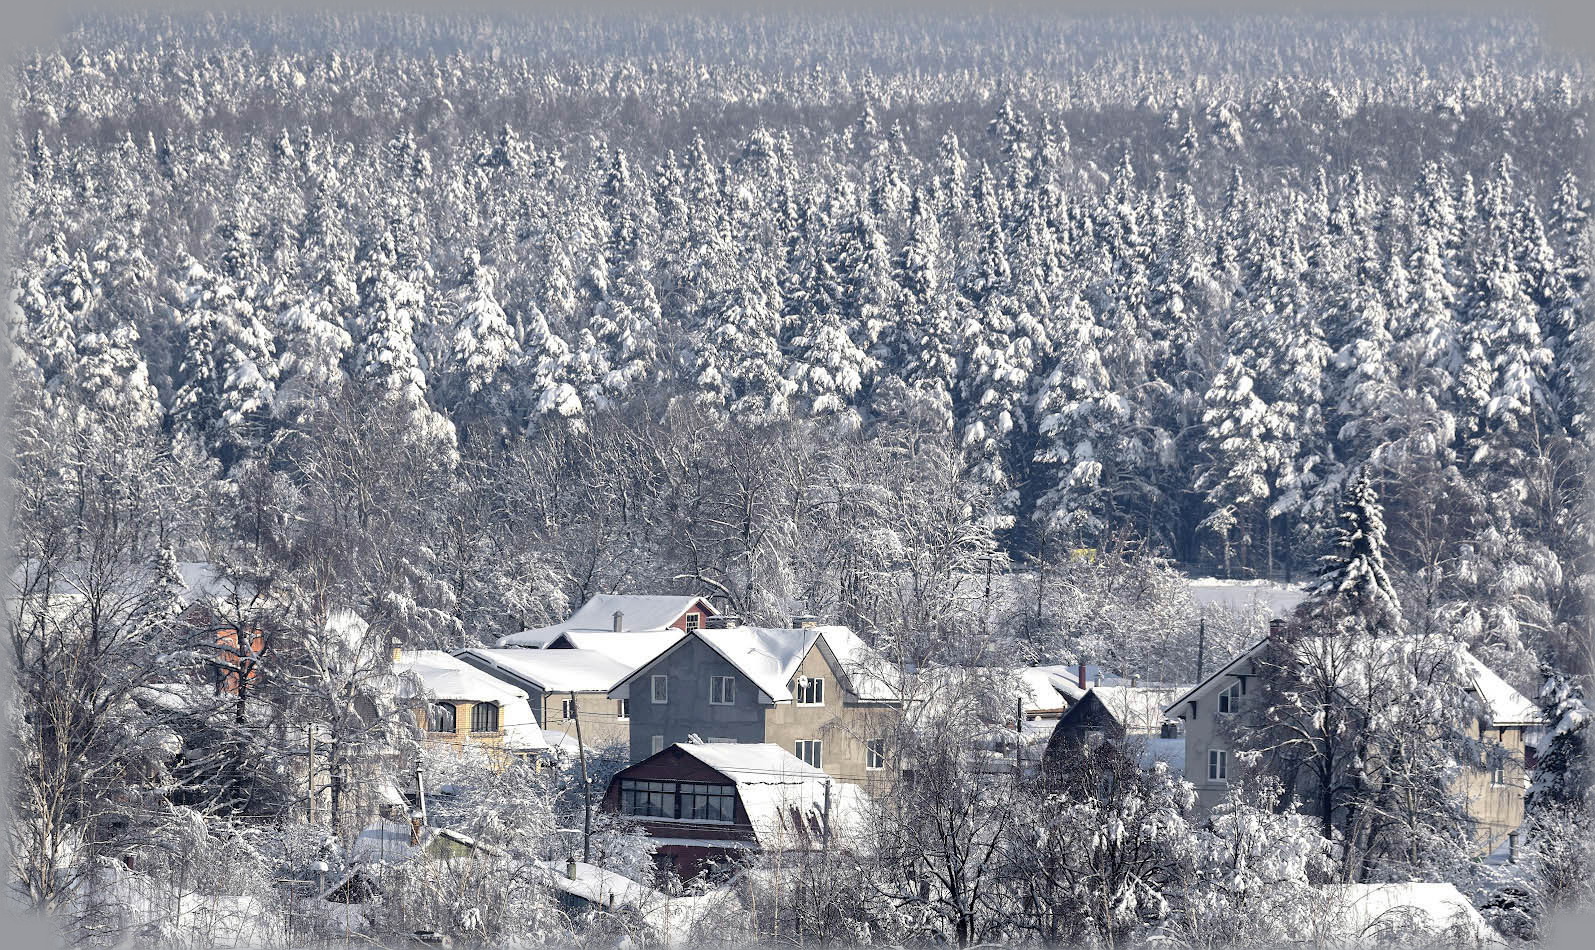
{"points": [[620, 621], [415, 829], [1082, 675], [1276, 627], [396, 653], [570, 867]]}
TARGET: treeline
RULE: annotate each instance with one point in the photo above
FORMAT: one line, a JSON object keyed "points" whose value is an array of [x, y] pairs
{"points": [[510, 312]]}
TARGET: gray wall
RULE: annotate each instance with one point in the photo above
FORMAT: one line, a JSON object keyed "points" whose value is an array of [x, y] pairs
{"points": [[689, 710]]}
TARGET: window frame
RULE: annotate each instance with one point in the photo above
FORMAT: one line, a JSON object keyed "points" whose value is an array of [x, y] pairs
{"points": [[1229, 699], [723, 686], [802, 747], [693, 621], [874, 752], [434, 717], [659, 688], [809, 691], [567, 709], [480, 713], [623, 709], [1218, 765]]}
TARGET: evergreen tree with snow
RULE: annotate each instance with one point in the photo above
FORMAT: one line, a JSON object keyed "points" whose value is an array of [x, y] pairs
{"points": [[1353, 576]]}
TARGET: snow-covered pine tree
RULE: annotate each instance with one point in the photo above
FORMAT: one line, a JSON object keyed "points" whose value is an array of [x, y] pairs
{"points": [[1353, 578]]}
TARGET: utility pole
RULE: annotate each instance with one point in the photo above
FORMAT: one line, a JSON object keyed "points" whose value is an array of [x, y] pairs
{"points": [[310, 773], [587, 790], [420, 789], [1019, 740], [825, 826], [1201, 647]]}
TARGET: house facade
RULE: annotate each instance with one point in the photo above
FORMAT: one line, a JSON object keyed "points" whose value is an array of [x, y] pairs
{"points": [[705, 803], [456, 705], [567, 689], [1493, 787], [817, 692]]}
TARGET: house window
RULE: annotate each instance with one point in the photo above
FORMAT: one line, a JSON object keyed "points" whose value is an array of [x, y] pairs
{"points": [[1217, 765], [648, 799], [484, 717], [657, 744], [567, 709], [689, 801], [875, 754], [622, 709], [722, 690], [660, 684], [440, 717], [707, 802], [693, 620], [809, 750], [1229, 700], [1498, 774], [810, 691]]}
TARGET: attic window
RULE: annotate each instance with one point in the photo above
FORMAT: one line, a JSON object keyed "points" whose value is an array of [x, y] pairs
{"points": [[810, 691], [693, 620], [1229, 701], [722, 690]]}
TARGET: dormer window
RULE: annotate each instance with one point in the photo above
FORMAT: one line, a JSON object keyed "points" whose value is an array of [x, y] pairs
{"points": [[809, 691]]}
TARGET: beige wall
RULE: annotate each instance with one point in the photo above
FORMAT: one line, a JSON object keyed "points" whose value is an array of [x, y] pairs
{"points": [[600, 722], [841, 724]]}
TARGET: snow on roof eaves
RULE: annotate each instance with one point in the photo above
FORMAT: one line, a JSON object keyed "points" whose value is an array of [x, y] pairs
{"points": [[556, 671], [640, 613], [772, 783], [632, 649], [766, 655]]}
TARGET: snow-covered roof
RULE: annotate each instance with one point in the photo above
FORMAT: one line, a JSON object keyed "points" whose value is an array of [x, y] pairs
{"points": [[554, 671], [770, 656], [1138, 708], [640, 613], [1245, 596], [669, 918], [445, 677], [632, 649], [784, 797], [1364, 914], [1504, 705]]}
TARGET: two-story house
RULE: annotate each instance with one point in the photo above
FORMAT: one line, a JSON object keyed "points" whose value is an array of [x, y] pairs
{"points": [[1493, 787], [620, 613], [816, 691], [704, 802], [569, 688]]}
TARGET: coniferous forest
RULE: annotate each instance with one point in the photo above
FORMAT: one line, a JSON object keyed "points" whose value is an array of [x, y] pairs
{"points": [[935, 327]]}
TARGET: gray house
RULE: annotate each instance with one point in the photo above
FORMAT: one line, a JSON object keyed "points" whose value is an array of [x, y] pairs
{"points": [[818, 692]]}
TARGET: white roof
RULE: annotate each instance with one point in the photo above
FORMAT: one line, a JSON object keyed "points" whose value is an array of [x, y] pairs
{"points": [[783, 796], [770, 656], [640, 613], [632, 649], [1363, 914], [671, 919], [1138, 708], [1505, 705], [442, 676], [1244, 596], [554, 671]]}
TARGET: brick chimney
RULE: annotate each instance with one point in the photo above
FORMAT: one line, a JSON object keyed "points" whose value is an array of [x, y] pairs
{"points": [[1082, 675]]}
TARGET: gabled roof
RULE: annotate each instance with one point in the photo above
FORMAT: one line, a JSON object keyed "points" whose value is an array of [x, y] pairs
{"points": [[553, 671], [770, 656], [445, 677], [784, 797], [640, 613], [632, 649], [1503, 705]]}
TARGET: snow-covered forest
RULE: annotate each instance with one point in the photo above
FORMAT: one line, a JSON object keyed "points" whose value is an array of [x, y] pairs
{"points": [[460, 321]]}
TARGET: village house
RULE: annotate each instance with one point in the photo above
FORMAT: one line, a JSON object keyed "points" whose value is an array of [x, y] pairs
{"points": [[618, 613], [816, 691], [710, 802], [568, 689], [1493, 787], [459, 706]]}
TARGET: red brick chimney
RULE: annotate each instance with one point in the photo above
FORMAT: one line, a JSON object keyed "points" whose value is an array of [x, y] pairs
{"points": [[1082, 675]]}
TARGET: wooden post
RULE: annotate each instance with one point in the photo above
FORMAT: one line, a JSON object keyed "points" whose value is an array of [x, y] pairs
{"points": [[825, 825], [587, 789]]}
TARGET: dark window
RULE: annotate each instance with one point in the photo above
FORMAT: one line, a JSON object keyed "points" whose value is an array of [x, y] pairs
{"points": [[875, 754], [440, 717], [810, 691], [647, 799], [693, 620], [484, 717], [707, 802], [623, 709], [722, 690], [809, 750]]}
